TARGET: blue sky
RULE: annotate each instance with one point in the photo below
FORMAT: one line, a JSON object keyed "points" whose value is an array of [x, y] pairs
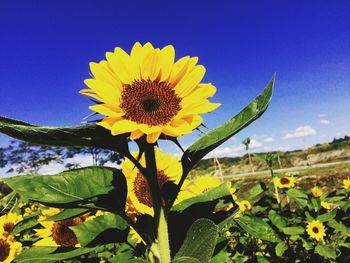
{"points": [[46, 47]]}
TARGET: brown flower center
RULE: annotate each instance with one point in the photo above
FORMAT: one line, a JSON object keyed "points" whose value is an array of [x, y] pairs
{"points": [[284, 180], [64, 236], [141, 188], [315, 230], [4, 250], [149, 102], [8, 228]]}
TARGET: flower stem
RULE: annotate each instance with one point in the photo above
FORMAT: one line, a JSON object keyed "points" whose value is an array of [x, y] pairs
{"points": [[163, 239]]}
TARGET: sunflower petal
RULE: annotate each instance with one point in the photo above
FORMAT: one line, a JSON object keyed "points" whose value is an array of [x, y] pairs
{"points": [[190, 81]]}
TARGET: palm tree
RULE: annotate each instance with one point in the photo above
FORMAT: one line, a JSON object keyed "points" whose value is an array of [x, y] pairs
{"points": [[246, 142]]}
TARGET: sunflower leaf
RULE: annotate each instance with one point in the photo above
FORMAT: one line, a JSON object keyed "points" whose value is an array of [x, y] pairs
{"points": [[70, 136], [222, 133], [46, 254], [101, 229], [200, 241], [93, 187]]}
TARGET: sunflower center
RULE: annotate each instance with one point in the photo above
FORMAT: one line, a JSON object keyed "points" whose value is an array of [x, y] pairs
{"points": [[8, 227], [64, 236], [284, 180], [141, 188], [149, 102], [4, 250], [315, 230]]}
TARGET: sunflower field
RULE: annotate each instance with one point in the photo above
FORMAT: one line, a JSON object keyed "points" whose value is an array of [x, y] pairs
{"points": [[148, 210]]}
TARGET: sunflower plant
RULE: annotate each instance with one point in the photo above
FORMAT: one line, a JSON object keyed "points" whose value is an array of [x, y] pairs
{"points": [[148, 207]]}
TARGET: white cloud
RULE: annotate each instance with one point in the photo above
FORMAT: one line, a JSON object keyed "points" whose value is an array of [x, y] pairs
{"points": [[269, 139], [324, 121], [254, 144], [322, 115], [299, 132], [234, 150]]}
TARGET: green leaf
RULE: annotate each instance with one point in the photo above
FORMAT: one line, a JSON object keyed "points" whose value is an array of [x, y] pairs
{"points": [[278, 220], [315, 203], [327, 251], [293, 230], [73, 136], [280, 249], [186, 260], [258, 228], [25, 224], [124, 254], [298, 196], [46, 254], [91, 229], [222, 133], [222, 256], [340, 227], [327, 216], [200, 241], [74, 188], [255, 191], [67, 213], [210, 195], [67, 187]]}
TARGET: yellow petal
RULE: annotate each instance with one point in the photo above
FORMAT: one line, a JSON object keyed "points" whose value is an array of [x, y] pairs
{"points": [[100, 71], [178, 71], [150, 65], [90, 93], [108, 122], [153, 137], [46, 242], [190, 81], [203, 91], [136, 134], [123, 126], [105, 110], [167, 56], [104, 90], [204, 107]]}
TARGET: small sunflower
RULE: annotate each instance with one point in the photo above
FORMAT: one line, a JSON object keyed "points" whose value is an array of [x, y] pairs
{"points": [[46, 213], [316, 192], [244, 205], [9, 249], [169, 170], [316, 230], [184, 193], [58, 233], [203, 183], [285, 181], [325, 205], [146, 92], [346, 183], [8, 223]]}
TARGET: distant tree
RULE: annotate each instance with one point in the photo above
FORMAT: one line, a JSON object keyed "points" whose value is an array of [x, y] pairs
{"points": [[24, 157], [246, 142]]}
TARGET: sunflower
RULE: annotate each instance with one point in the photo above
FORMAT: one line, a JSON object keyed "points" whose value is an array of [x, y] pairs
{"points": [[9, 249], [316, 230], [316, 192], [8, 223], [203, 183], [46, 213], [346, 183], [58, 234], [169, 170], [148, 93], [135, 236], [325, 205], [285, 181], [244, 205]]}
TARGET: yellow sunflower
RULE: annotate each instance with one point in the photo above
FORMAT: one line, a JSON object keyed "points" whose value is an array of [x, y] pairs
{"points": [[203, 183], [244, 205], [9, 249], [346, 183], [285, 181], [316, 192], [46, 213], [169, 170], [146, 92], [184, 193], [316, 230], [58, 233], [325, 205], [8, 223]]}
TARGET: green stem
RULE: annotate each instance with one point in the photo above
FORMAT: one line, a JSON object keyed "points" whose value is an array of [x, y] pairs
{"points": [[163, 239], [276, 189]]}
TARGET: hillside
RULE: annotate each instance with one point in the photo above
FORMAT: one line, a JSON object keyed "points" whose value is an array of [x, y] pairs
{"points": [[335, 151]]}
